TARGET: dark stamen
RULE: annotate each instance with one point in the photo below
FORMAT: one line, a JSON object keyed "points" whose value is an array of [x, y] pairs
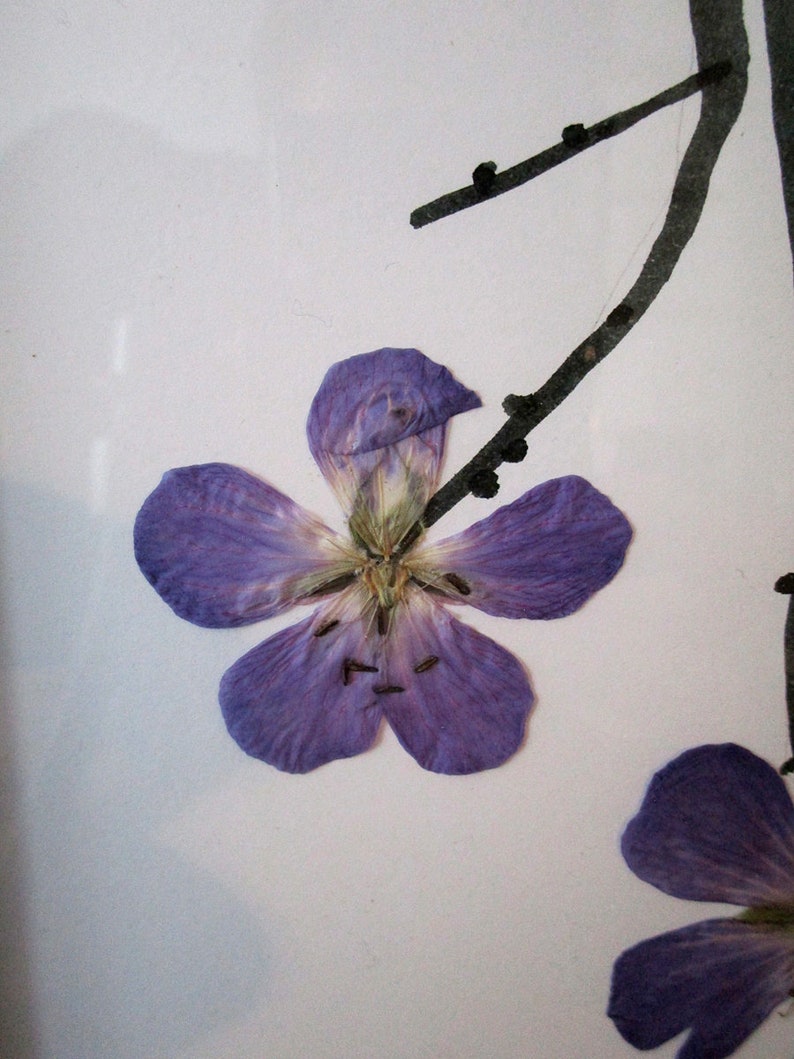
{"points": [[350, 665], [326, 627], [383, 621], [336, 584], [428, 663], [388, 689], [457, 582]]}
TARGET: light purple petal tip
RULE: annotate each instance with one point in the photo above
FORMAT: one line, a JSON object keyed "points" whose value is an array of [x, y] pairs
{"points": [[296, 702], [224, 548], [720, 979], [376, 399], [465, 699], [716, 824], [542, 556]]}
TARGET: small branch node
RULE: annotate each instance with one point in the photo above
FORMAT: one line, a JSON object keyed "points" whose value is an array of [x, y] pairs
{"points": [[514, 405], [514, 451], [620, 316], [575, 136], [483, 484], [484, 177]]}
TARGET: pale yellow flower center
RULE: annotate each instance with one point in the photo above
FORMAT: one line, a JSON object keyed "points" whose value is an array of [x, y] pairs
{"points": [[386, 580]]}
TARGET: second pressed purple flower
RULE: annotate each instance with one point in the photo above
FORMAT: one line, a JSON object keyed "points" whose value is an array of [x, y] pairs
{"points": [[224, 548], [716, 824]]}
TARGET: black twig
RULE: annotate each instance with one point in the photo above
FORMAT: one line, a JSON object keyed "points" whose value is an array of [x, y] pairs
{"points": [[487, 183], [779, 20], [721, 42]]}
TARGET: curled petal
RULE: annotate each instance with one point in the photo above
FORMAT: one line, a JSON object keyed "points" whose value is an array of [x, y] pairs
{"points": [[377, 399], [716, 824], [304, 697], [720, 979], [376, 429], [462, 700], [542, 556], [224, 548]]}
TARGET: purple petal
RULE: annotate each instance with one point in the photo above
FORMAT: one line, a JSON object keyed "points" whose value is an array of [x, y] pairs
{"points": [[376, 429], [462, 700], [716, 824], [296, 701], [223, 548], [376, 399], [542, 556], [720, 978]]}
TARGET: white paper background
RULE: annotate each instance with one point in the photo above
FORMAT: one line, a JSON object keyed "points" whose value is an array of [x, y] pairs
{"points": [[204, 206]]}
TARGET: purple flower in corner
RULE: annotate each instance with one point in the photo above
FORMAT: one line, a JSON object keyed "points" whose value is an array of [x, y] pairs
{"points": [[717, 824], [224, 548]]}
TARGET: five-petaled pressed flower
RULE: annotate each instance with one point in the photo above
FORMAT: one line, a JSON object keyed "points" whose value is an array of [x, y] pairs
{"points": [[717, 824], [224, 548]]}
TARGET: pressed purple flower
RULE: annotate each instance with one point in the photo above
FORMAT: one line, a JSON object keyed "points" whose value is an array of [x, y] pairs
{"points": [[716, 824], [224, 548]]}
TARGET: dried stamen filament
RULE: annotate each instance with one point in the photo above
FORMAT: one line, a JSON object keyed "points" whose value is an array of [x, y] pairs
{"points": [[426, 664], [459, 583], [350, 665], [326, 627]]}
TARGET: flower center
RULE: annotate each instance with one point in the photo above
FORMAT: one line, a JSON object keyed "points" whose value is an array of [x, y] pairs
{"points": [[386, 580]]}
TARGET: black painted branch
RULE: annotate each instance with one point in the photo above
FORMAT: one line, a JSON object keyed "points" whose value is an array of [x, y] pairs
{"points": [[779, 19], [720, 37], [785, 584], [487, 183]]}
